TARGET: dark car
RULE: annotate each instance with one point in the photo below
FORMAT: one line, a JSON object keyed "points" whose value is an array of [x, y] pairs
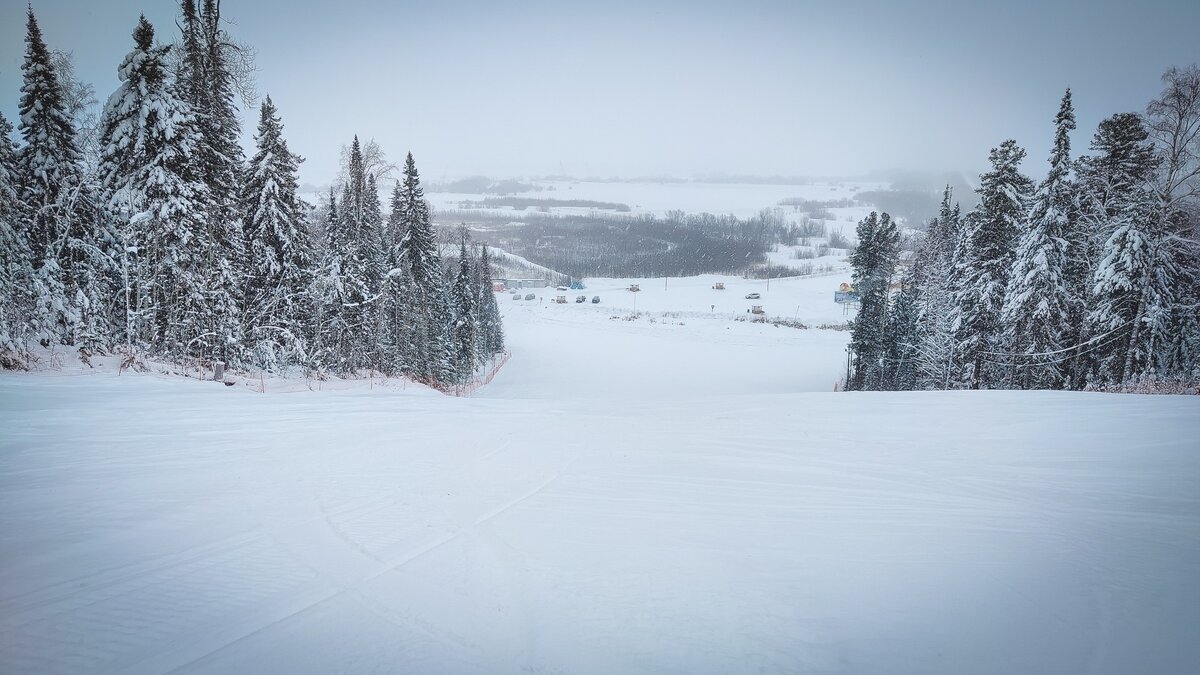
{"points": [[595, 299], [530, 296], [581, 298], [516, 296]]}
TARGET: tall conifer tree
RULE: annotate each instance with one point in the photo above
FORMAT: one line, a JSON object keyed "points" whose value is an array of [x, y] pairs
{"points": [[874, 263], [280, 248], [984, 265], [491, 338], [1040, 308], [16, 273], [148, 143], [1114, 191], [934, 277], [70, 248], [418, 251], [466, 323]]}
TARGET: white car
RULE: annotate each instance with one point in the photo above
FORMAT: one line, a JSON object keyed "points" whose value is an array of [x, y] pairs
{"points": [[753, 296]]}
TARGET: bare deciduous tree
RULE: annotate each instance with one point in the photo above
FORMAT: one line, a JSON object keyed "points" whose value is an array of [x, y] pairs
{"points": [[81, 104], [375, 163], [1173, 120]]}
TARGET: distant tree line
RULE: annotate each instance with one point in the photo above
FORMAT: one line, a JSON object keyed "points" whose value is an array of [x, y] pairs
{"points": [[482, 185], [1088, 279], [167, 242], [521, 203], [643, 245], [811, 205]]}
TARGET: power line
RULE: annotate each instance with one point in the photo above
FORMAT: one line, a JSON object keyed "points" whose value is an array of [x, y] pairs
{"points": [[1064, 349]]}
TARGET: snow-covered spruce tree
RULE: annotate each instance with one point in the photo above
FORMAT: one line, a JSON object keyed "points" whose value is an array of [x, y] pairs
{"points": [[934, 279], [148, 143], [901, 344], [874, 263], [16, 273], [332, 335], [418, 251], [374, 255], [1114, 189], [222, 128], [491, 330], [353, 247], [402, 339], [127, 148], [280, 250], [1040, 306], [70, 247], [1173, 120], [395, 225], [466, 323], [984, 264], [207, 86], [1133, 305]]}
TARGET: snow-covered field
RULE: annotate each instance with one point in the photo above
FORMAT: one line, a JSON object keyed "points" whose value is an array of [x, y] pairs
{"points": [[807, 299], [679, 496]]}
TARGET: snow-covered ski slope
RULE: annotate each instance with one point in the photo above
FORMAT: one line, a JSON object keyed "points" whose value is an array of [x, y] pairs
{"points": [[682, 496]]}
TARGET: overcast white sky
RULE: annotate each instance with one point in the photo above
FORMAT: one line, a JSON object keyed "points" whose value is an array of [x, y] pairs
{"points": [[634, 88]]}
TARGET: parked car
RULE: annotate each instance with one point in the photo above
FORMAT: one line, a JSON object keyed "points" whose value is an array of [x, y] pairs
{"points": [[595, 299], [516, 296], [530, 296], [581, 298], [753, 296], [561, 288]]}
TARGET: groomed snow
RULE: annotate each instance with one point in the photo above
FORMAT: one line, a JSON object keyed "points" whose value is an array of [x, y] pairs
{"points": [[682, 496]]}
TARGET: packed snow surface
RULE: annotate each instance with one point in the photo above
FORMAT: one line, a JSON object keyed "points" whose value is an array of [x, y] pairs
{"points": [[686, 495]]}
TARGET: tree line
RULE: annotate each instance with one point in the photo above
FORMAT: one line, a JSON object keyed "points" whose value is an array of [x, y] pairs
{"points": [[1088, 279], [641, 245], [170, 243]]}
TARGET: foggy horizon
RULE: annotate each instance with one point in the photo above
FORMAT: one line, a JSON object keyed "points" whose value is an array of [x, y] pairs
{"points": [[669, 89]]}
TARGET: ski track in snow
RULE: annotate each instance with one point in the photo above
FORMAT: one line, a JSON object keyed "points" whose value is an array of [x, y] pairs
{"points": [[626, 496]]}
